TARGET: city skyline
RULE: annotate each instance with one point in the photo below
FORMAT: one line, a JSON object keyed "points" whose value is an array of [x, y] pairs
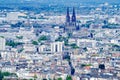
{"points": [[59, 40]]}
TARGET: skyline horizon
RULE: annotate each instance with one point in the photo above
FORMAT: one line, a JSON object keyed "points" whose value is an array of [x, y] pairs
{"points": [[53, 1]]}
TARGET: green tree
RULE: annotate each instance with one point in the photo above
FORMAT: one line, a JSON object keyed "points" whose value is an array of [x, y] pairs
{"points": [[1, 75], [42, 38], [74, 46], [13, 44], [84, 65], [60, 38], [66, 42], [6, 73], [59, 78], [68, 77], [2, 36], [34, 42]]}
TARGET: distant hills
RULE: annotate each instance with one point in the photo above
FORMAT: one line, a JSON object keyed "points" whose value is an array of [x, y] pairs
{"points": [[59, 1], [57, 6]]}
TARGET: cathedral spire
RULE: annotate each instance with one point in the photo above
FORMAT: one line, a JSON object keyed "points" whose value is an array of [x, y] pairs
{"points": [[74, 15], [68, 16]]}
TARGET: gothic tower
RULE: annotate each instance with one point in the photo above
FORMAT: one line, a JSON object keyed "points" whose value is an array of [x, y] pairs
{"points": [[73, 21], [67, 17], [70, 24]]}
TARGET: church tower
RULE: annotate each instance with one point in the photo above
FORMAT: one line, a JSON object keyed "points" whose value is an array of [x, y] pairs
{"points": [[67, 17], [70, 24], [73, 21]]}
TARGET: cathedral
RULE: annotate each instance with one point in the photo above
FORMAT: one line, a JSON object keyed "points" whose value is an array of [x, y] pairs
{"points": [[70, 24]]}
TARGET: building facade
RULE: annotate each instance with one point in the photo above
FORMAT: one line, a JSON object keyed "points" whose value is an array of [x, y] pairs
{"points": [[57, 47], [70, 24], [2, 43]]}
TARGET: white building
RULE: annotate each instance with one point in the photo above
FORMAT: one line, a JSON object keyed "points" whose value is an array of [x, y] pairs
{"points": [[29, 48], [10, 69], [42, 48], [24, 74], [13, 17], [2, 43], [57, 47], [86, 43], [9, 55], [114, 20], [71, 41]]}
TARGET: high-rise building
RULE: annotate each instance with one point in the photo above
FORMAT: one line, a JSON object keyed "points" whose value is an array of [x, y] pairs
{"points": [[2, 43], [57, 47]]}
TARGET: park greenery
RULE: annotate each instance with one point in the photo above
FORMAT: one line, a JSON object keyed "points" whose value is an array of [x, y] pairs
{"points": [[60, 38], [7, 74], [68, 77], [74, 46], [65, 39], [34, 42], [13, 44], [3, 74], [59, 78], [85, 65], [42, 38], [115, 47], [1, 36]]}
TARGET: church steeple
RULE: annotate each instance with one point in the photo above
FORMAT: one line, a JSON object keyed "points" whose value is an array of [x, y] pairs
{"points": [[74, 15], [68, 16], [70, 25]]}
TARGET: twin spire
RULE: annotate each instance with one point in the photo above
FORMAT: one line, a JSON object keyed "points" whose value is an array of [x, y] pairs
{"points": [[73, 19]]}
